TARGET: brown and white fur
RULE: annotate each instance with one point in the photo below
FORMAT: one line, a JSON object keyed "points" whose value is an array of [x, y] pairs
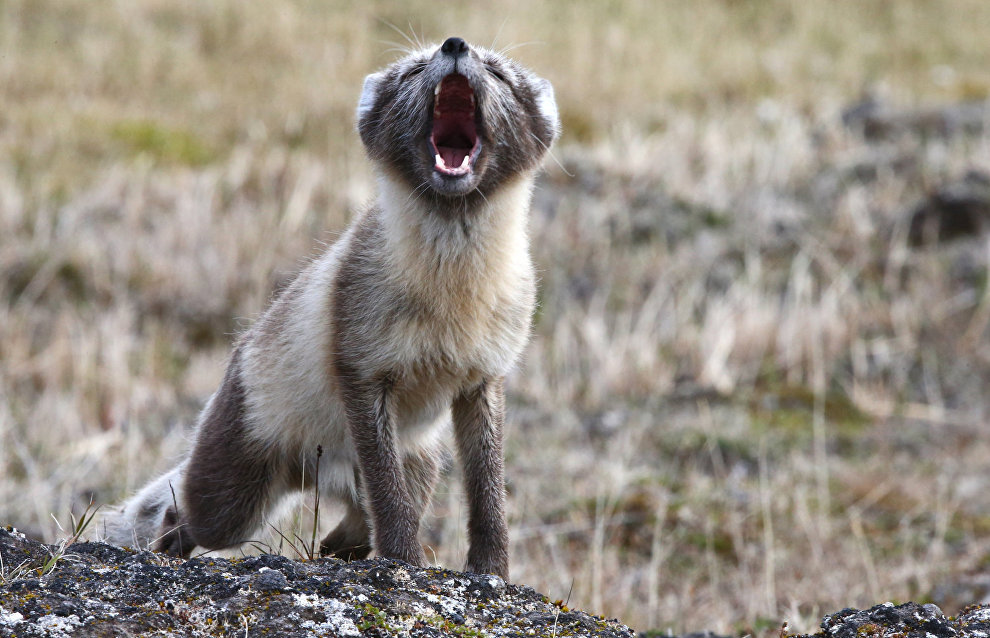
{"points": [[408, 323]]}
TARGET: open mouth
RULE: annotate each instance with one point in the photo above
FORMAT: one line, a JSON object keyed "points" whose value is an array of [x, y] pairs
{"points": [[454, 139]]}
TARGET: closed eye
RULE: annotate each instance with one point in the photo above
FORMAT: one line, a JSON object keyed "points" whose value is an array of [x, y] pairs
{"points": [[496, 74], [415, 70]]}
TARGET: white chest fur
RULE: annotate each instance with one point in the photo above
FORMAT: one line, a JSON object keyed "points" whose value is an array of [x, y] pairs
{"points": [[471, 279]]}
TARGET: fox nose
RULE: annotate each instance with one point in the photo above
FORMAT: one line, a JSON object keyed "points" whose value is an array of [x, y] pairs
{"points": [[454, 47]]}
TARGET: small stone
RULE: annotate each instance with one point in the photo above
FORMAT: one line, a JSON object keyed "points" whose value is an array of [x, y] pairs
{"points": [[270, 580]]}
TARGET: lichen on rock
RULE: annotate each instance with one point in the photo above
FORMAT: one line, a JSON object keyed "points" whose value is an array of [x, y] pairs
{"points": [[909, 620], [100, 590]]}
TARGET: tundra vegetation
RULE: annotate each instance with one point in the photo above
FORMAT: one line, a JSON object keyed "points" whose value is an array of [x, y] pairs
{"points": [[756, 391]]}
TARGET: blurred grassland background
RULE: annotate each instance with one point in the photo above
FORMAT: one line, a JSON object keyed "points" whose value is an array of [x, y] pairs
{"points": [[748, 399]]}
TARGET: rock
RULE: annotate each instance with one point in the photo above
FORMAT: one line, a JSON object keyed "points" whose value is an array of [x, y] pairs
{"points": [[876, 120], [95, 589], [957, 209], [910, 620]]}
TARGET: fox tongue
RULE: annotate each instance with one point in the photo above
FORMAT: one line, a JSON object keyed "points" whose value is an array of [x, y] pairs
{"points": [[447, 158], [452, 157]]}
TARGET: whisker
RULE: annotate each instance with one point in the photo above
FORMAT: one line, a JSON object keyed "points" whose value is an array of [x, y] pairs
{"points": [[418, 192], [396, 47], [550, 153], [518, 45], [498, 33], [478, 190], [420, 44], [413, 43]]}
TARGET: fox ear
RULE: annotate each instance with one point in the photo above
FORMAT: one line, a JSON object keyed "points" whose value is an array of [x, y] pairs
{"points": [[369, 94], [547, 105]]}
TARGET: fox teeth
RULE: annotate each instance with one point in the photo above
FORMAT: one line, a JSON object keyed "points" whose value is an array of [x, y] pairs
{"points": [[439, 161], [436, 89], [467, 159]]}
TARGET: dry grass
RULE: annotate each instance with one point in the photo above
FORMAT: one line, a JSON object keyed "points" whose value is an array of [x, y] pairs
{"points": [[781, 405]]}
